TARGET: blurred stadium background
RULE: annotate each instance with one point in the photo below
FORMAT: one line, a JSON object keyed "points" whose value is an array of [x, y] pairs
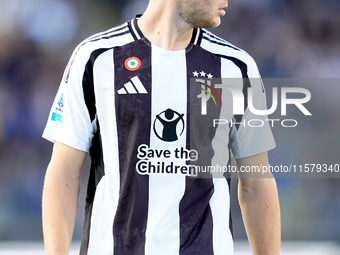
{"points": [[287, 38]]}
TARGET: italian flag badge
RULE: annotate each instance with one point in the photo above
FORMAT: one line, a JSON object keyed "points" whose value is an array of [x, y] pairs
{"points": [[132, 63]]}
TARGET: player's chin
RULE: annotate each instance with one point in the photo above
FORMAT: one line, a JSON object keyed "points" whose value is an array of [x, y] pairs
{"points": [[208, 22], [218, 22], [214, 23]]}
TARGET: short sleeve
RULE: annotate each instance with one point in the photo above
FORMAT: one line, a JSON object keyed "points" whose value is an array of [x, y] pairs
{"points": [[251, 134], [69, 120]]}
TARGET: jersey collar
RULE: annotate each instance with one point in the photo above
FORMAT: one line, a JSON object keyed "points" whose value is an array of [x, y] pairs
{"points": [[137, 33]]}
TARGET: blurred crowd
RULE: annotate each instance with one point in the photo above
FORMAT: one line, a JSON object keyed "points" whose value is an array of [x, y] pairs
{"points": [[287, 38], [36, 39]]}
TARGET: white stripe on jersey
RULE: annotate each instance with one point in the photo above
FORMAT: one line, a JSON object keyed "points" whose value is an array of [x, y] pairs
{"points": [[198, 34], [107, 193], [220, 210], [135, 30], [222, 241], [163, 216]]}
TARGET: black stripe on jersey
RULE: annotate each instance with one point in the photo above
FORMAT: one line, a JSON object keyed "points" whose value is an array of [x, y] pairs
{"points": [[196, 221], [196, 36], [246, 83], [97, 171], [218, 41], [135, 31], [227, 176], [133, 116], [96, 151], [108, 32], [88, 85], [109, 36], [213, 36]]}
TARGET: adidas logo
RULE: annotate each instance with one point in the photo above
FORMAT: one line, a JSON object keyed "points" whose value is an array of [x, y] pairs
{"points": [[135, 86]]}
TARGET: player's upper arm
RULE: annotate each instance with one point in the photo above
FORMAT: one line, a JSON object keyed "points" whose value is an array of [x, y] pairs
{"points": [[67, 159], [256, 162]]}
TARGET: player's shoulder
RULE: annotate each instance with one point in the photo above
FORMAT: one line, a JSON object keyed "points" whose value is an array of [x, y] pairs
{"points": [[116, 36], [111, 37], [223, 48], [90, 48]]}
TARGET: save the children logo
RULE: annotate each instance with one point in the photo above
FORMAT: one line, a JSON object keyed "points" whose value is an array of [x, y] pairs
{"points": [[168, 125]]}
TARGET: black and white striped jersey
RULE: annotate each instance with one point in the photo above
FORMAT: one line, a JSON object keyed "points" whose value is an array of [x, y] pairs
{"points": [[148, 118]]}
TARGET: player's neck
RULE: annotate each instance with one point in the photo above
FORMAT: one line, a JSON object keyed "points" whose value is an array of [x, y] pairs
{"points": [[165, 28]]}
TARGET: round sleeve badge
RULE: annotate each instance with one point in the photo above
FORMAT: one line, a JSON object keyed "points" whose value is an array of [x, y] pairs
{"points": [[132, 63]]}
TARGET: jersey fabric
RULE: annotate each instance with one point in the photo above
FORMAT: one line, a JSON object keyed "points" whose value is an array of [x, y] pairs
{"points": [[148, 117]]}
